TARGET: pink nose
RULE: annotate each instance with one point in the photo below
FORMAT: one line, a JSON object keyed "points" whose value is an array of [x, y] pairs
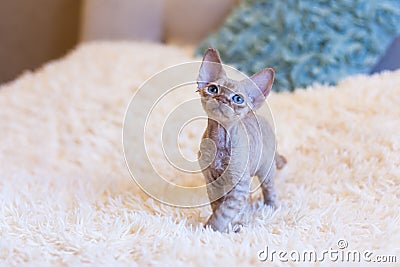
{"points": [[221, 98]]}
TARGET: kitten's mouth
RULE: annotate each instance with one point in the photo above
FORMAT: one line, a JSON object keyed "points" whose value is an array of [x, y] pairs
{"points": [[218, 110]]}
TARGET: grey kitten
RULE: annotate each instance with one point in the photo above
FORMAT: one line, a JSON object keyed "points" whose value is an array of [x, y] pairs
{"points": [[237, 144]]}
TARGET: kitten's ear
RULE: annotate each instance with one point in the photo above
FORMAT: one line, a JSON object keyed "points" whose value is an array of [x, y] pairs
{"points": [[263, 80], [211, 68]]}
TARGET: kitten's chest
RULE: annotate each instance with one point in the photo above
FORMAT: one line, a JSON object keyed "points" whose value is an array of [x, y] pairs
{"points": [[223, 150], [217, 148]]}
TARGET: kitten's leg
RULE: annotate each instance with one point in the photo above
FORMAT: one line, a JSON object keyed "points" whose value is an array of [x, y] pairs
{"points": [[213, 191], [231, 206], [266, 178], [215, 204]]}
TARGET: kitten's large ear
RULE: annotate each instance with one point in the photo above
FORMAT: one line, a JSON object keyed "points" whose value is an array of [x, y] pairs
{"points": [[211, 68], [263, 80]]}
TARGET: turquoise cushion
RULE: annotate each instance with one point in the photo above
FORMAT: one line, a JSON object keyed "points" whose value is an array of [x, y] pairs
{"points": [[306, 41]]}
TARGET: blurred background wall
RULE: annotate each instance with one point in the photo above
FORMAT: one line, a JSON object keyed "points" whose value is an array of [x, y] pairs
{"points": [[121, 19], [33, 32]]}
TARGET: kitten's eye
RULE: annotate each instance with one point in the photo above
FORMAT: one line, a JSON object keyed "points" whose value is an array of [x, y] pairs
{"points": [[238, 99], [212, 89]]}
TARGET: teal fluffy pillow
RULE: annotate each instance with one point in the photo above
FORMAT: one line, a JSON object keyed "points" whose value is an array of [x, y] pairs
{"points": [[306, 41]]}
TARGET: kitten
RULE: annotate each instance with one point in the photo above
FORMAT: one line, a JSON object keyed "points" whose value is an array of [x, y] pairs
{"points": [[237, 144]]}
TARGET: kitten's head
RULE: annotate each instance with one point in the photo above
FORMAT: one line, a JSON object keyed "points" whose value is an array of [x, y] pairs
{"points": [[226, 100]]}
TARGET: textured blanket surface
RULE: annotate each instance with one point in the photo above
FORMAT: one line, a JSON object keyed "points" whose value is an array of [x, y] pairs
{"points": [[67, 197]]}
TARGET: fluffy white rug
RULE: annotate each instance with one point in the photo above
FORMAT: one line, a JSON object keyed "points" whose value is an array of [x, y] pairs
{"points": [[67, 197]]}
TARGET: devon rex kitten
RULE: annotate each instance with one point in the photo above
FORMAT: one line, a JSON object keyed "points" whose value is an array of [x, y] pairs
{"points": [[237, 144]]}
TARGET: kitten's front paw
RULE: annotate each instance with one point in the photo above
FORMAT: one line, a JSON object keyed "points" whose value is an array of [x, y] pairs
{"points": [[215, 225], [271, 203], [208, 225]]}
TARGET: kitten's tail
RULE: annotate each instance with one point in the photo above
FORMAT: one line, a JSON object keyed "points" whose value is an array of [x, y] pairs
{"points": [[280, 161]]}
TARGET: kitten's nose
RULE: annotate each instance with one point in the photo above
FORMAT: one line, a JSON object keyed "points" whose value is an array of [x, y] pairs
{"points": [[221, 98]]}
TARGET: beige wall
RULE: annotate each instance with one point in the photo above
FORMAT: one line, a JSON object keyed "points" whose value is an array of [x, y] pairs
{"points": [[122, 19], [189, 21], [35, 31], [176, 21]]}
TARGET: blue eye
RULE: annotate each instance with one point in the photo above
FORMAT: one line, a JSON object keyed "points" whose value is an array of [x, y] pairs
{"points": [[212, 89], [238, 99]]}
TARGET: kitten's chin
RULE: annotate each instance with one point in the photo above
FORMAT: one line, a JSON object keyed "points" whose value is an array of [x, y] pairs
{"points": [[222, 115], [219, 112]]}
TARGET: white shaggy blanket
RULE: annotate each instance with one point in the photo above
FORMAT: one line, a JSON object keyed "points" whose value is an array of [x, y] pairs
{"points": [[67, 197]]}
